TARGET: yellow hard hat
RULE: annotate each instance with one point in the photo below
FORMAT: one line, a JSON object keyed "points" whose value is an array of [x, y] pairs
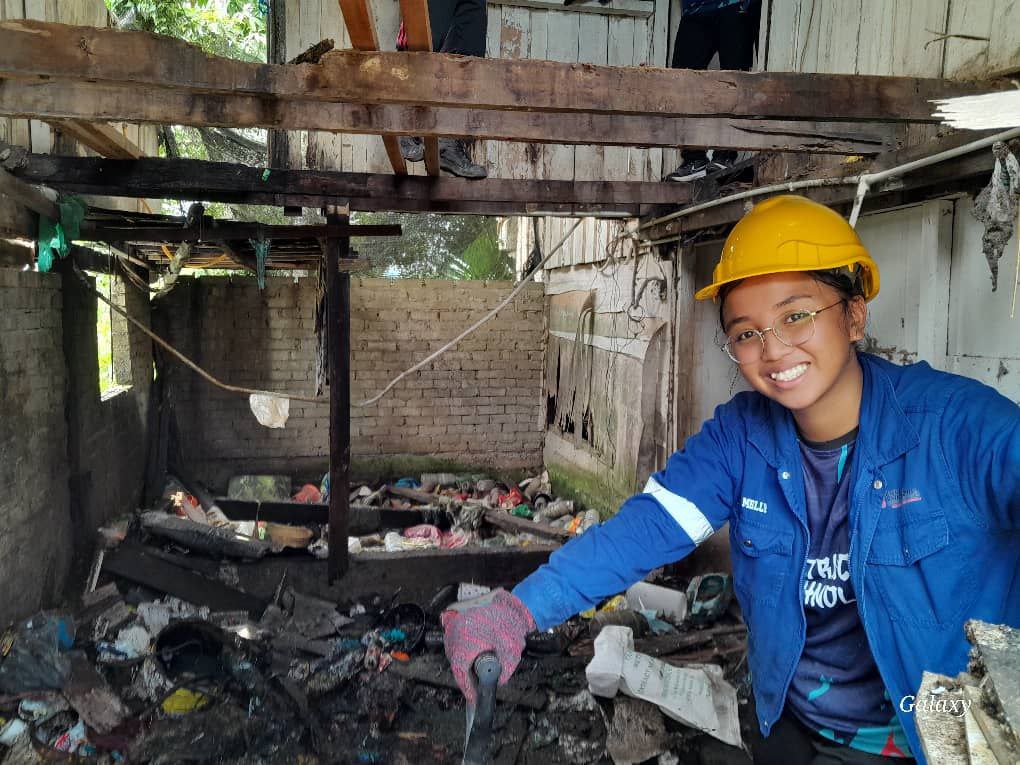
{"points": [[791, 233]]}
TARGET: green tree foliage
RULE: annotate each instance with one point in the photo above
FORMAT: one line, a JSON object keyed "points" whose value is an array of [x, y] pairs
{"points": [[232, 28], [436, 247]]}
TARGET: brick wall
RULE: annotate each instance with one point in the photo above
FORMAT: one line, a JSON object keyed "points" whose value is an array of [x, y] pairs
{"points": [[69, 460], [35, 528], [480, 404], [107, 441]]}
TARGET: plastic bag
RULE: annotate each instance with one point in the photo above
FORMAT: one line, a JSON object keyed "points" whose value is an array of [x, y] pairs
{"points": [[37, 659], [270, 411]]}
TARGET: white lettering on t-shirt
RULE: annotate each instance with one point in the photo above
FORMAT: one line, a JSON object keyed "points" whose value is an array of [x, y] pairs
{"points": [[824, 588]]}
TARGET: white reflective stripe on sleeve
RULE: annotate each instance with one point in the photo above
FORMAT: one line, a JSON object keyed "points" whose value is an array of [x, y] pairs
{"points": [[683, 511]]}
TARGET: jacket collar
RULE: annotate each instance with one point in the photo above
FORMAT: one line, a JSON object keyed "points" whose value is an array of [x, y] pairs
{"points": [[885, 433]]}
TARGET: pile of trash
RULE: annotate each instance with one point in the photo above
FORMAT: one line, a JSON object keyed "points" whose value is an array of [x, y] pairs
{"points": [[437, 511], [132, 675]]}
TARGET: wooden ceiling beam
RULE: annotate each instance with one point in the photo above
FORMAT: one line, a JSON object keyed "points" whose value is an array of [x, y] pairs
{"points": [[33, 49], [101, 137], [50, 99], [225, 182], [224, 232]]}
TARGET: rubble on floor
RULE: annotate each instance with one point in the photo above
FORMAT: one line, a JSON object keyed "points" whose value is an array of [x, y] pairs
{"points": [[134, 675], [974, 717], [262, 514]]}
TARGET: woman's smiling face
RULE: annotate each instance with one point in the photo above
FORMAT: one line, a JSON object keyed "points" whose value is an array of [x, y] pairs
{"points": [[798, 377]]}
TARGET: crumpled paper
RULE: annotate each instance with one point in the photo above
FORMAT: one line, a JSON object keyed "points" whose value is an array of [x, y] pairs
{"points": [[696, 695]]}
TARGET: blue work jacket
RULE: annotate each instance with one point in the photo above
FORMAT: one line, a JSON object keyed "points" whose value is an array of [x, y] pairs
{"points": [[934, 528]]}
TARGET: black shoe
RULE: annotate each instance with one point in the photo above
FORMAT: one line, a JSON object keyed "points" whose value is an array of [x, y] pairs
{"points": [[693, 169], [412, 148], [454, 159]]}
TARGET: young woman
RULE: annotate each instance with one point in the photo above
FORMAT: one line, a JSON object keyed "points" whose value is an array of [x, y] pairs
{"points": [[872, 508]]}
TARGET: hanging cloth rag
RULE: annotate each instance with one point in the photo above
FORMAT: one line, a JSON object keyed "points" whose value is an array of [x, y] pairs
{"points": [[996, 207], [261, 247], [55, 237]]}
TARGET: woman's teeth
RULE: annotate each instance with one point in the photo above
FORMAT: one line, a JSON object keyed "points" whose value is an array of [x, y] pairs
{"points": [[789, 374]]}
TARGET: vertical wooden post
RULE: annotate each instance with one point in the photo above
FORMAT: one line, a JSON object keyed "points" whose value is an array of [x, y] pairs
{"points": [[276, 53], [684, 328], [338, 318]]}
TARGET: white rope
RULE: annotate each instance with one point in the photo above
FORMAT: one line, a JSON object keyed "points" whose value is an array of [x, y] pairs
{"points": [[432, 357]]}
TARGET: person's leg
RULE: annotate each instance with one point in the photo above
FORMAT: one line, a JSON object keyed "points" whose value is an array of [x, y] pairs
{"points": [[467, 28], [737, 41], [788, 744], [696, 42]]}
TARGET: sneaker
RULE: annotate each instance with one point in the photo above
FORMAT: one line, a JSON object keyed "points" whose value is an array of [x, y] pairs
{"points": [[412, 148], [692, 170], [454, 159]]}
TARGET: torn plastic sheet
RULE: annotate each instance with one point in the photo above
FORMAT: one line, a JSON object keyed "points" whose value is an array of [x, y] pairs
{"points": [[697, 695]]}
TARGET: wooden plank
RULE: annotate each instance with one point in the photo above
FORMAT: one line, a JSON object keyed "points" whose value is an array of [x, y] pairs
{"points": [[64, 100], [616, 162], [102, 138], [361, 30], [177, 179], [593, 48], [563, 31], [415, 14], [508, 522], [136, 565], [360, 27], [639, 9], [967, 56], [27, 196], [211, 230], [514, 43], [33, 49]]}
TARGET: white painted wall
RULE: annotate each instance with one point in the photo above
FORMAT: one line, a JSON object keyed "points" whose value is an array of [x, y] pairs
{"points": [[894, 37]]}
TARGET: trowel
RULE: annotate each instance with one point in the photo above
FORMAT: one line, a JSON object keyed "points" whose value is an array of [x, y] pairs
{"points": [[480, 716]]}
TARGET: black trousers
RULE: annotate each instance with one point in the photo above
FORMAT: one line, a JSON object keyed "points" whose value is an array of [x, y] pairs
{"points": [[730, 32], [458, 26], [792, 743]]}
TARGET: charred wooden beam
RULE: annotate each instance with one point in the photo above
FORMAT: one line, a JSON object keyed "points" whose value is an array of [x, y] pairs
{"points": [[120, 101], [224, 182], [232, 249], [32, 49], [338, 326], [226, 233]]}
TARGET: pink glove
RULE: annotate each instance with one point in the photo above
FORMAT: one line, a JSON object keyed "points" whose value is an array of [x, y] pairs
{"points": [[499, 623]]}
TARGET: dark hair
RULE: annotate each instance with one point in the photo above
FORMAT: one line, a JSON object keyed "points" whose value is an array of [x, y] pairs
{"points": [[846, 282]]}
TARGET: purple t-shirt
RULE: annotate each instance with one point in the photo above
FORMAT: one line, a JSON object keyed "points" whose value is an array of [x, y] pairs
{"points": [[837, 690]]}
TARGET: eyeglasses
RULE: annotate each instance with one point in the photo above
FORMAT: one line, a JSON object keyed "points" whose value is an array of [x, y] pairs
{"points": [[792, 328]]}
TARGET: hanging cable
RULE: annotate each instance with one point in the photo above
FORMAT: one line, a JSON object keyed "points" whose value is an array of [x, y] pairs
{"points": [[184, 359]]}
